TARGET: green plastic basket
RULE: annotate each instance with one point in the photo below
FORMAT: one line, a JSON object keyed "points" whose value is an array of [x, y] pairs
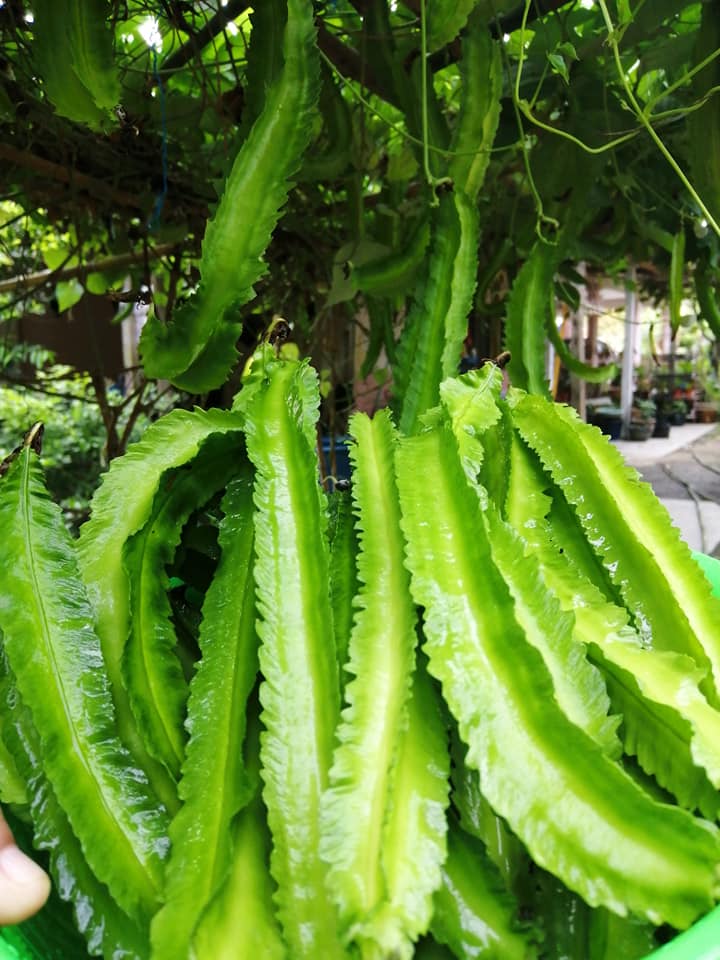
{"points": [[700, 942]]}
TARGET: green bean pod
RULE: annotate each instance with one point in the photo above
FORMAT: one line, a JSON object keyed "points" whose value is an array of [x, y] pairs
{"points": [[300, 691], [574, 809], [675, 282], [371, 734], [115, 517], [479, 114], [202, 833], [120, 824], [436, 325], [629, 531], [73, 52], [528, 316], [152, 671], [474, 914], [196, 350], [707, 298], [240, 921]]}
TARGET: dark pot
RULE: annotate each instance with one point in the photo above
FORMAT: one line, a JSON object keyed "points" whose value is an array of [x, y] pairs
{"points": [[662, 427], [641, 431], [608, 424]]}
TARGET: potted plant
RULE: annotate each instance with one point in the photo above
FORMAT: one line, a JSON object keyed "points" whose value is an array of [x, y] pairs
{"points": [[706, 405], [664, 412], [608, 418], [643, 419]]}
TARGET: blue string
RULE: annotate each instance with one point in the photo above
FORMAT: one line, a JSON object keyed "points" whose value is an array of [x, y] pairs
{"points": [[160, 199]]}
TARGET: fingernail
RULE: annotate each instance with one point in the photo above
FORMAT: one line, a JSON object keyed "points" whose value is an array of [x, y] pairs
{"points": [[17, 867]]}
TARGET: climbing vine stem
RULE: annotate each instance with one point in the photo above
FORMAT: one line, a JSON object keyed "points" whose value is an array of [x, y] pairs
{"points": [[644, 119]]}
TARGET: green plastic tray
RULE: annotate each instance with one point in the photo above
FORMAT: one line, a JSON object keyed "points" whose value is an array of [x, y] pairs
{"points": [[700, 942]]}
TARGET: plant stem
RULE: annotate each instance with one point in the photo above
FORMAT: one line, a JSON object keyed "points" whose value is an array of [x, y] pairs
{"points": [[642, 117]]}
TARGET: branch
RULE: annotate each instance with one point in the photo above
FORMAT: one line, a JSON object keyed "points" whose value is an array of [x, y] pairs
{"points": [[55, 171], [512, 21], [215, 25], [351, 66], [81, 270]]}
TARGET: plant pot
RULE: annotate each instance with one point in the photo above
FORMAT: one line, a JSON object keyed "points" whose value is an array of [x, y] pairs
{"points": [[335, 457], [641, 431], [662, 427], [705, 412], [609, 423]]}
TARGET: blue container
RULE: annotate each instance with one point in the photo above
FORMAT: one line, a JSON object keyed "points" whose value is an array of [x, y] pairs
{"points": [[341, 455]]}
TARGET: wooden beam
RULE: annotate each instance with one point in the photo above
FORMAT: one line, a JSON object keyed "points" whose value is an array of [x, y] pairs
{"points": [[58, 172], [30, 280]]}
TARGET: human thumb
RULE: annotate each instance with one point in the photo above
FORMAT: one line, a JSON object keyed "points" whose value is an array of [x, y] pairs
{"points": [[24, 886]]}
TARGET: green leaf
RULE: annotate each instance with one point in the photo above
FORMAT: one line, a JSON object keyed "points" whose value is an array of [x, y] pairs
{"points": [[56, 257], [300, 690], [72, 49], [43, 606], [445, 20], [68, 292], [402, 166], [53, 59], [92, 50], [558, 65], [568, 50], [100, 283], [575, 810]]}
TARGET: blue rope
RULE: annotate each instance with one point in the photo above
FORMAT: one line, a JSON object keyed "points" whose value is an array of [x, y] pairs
{"points": [[160, 199]]}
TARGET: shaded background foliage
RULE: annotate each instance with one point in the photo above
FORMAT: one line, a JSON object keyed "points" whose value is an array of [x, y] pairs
{"points": [[571, 154]]}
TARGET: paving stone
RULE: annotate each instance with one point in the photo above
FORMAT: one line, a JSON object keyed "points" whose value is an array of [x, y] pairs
{"points": [[684, 472]]}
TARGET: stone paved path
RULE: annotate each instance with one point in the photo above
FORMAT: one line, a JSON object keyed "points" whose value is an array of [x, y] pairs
{"points": [[687, 479]]}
